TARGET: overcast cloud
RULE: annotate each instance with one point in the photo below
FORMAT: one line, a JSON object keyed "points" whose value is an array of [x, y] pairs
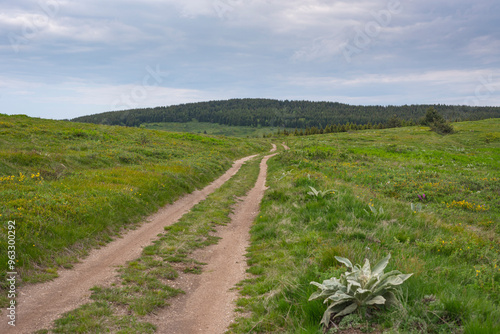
{"points": [[67, 58]]}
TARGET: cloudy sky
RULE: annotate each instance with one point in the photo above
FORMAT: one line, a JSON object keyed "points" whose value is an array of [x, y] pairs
{"points": [[66, 58]]}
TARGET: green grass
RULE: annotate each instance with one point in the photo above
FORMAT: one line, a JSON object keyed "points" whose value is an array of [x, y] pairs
{"points": [[70, 187], [213, 129], [143, 285], [453, 250], [98, 317]]}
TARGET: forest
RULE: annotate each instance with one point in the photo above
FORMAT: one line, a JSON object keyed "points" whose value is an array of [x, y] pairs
{"points": [[286, 114]]}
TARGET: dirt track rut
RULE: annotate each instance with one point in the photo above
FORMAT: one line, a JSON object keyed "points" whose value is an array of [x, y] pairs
{"points": [[208, 305]]}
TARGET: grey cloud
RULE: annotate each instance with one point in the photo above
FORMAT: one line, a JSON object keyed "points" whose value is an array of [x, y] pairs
{"points": [[252, 48]]}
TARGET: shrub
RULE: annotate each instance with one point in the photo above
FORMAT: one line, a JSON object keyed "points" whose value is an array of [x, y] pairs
{"points": [[359, 289], [437, 123], [442, 127]]}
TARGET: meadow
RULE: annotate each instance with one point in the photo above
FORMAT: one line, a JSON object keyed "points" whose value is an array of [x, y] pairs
{"points": [[431, 201], [70, 187], [214, 129], [439, 220]]}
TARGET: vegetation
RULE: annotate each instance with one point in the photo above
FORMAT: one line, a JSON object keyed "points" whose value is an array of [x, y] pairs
{"points": [[358, 290], [213, 129], [437, 123], [320, 193], [285, 114], [451, 247], [431, 201], [73, 186]]}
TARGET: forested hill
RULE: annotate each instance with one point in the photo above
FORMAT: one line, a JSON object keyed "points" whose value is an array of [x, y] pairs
{"points": [[290, 114]]}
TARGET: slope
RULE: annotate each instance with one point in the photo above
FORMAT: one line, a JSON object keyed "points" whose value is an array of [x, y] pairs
{"points": [[71, 187]]}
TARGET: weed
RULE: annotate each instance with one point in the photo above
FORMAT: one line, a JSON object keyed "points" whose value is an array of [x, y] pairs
{"points": [[360, 289], [318, 193], [416, 207]]}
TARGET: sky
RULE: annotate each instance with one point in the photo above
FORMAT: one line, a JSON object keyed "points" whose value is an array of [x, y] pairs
{"points": [[61, 59]]}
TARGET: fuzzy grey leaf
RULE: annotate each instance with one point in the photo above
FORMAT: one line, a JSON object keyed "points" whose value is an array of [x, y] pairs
{"points": [[344, 261], [376, 300], [380, 266], [348, 310]]}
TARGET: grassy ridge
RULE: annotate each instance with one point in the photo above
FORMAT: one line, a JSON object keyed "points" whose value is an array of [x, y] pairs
{"points": [[71, 186], [452, 245]]}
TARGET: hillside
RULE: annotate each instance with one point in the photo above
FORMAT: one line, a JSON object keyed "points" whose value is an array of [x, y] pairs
{"points": [[70, 186], [430, 201], [289, 114], [214, 129]]}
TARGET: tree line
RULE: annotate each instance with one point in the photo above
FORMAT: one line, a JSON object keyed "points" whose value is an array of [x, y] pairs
{"points": [[432, 118], [285, 114]]}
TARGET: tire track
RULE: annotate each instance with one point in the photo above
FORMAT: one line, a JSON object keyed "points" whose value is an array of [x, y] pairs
{"points": [[208, 305]]}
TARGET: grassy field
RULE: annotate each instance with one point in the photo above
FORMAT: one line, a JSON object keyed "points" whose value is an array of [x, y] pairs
{"points": [[450, 242], [214, 129], [71, 186]]}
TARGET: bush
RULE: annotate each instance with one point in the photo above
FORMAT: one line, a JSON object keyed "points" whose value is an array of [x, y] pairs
{"points": [[437, 123], [359, 289], [442, 127]]}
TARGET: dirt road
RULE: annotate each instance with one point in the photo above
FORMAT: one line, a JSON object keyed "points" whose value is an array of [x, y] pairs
{"points": [[208, 305], [40, 304]]}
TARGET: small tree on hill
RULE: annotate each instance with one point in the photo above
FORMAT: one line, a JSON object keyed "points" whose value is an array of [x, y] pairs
{"points": [[394, 122], [437, 123]]}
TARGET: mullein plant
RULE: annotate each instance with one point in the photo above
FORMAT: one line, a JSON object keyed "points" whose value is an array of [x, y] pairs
{"points": [[416, 207], [374, 211], [319, 193], [358, 289]]}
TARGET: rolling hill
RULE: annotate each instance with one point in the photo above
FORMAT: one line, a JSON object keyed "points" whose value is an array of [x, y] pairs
{"points": [[288, 114]]}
